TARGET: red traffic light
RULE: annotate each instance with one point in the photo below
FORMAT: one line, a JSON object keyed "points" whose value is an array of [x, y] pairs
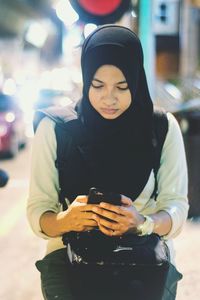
{"points": [[100, 11], [100, 7]]}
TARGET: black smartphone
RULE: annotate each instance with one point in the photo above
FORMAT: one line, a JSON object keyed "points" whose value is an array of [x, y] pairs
{"points": [[96, 196]]}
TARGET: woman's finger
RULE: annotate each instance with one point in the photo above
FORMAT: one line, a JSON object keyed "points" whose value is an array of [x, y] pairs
{"points": [[110, 207], [105, 230], [87, 207], [90, 223], [126, 201], [110, 232], [106, 213], [81, 199], [88, 215], [88, 228], [109, 225]]}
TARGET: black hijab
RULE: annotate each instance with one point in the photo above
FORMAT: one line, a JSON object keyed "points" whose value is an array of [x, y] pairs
{"points": [[121, 148]]}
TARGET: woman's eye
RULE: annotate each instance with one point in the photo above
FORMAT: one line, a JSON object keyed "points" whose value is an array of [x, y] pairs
{"points": [[122, 88], [97, 86]]}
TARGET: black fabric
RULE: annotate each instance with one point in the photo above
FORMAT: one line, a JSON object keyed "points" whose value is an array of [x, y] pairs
{"points": [[123, 146], [60, 281], [57, 114], [78, 164], [95, 248], [160, 129]]}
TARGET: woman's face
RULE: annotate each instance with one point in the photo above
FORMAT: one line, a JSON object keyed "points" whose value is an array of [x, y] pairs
{"points": [[109, 93]]}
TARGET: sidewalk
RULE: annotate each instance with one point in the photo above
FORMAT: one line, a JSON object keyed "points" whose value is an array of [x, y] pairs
{"points": [[187, 246]]}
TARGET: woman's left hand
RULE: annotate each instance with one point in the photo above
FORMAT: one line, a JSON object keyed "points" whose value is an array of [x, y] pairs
{"points": [[119, 219]]}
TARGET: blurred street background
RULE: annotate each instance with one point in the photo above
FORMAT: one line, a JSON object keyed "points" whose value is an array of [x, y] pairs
{"points": [[40, 44]]}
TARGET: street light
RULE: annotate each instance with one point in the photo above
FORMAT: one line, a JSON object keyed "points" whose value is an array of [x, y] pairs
{"points": [[66, 13]]}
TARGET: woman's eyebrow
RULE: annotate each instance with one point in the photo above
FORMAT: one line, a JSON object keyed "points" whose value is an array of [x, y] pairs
{"points": [[95, 79], [120, 82]]}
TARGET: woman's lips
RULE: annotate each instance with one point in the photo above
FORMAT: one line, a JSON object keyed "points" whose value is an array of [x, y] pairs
{"points": [[109, 111]]}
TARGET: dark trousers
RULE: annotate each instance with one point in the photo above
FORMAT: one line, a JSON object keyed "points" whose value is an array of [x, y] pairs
{"points": [[62, 282]]}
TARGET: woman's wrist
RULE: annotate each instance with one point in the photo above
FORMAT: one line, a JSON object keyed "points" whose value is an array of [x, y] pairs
{"points": [[62, 222], [138, 221], [147, 227], [54, 224], [141, 220], [159, 223], [163, 222]]}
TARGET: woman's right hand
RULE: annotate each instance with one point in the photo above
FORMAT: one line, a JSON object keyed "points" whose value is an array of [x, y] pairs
{"points": [[78, 216]]}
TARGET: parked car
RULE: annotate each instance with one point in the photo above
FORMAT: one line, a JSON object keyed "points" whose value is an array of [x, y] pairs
{"points": [[3, 178], [12, 126]]}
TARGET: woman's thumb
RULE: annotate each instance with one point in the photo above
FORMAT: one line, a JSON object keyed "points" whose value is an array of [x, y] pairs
{"points": [[82, 199]]}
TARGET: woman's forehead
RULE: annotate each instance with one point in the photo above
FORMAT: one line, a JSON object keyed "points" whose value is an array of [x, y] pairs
{"points": [[109, 71]]}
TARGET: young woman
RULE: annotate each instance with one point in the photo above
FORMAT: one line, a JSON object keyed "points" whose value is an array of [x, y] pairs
{"points": [[116, 112]]}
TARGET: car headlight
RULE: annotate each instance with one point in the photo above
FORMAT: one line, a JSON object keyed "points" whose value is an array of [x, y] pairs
{"points": [[10, 117]]}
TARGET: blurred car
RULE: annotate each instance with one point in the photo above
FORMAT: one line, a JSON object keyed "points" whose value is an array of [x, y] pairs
{"points": [[3, 178], [12, 126]]}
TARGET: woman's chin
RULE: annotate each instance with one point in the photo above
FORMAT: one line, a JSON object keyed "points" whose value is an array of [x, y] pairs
{"points": [[110, 116]]}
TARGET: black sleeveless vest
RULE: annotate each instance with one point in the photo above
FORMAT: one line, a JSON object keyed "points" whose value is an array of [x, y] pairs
{"points": [[78, 168]]}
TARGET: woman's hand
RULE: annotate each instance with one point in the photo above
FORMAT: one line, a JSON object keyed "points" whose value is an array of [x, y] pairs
{"points": [[79, 215], [120, 219]]}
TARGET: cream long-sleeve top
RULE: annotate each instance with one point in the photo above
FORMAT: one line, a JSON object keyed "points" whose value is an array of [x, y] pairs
{"points": [[172, 182]]}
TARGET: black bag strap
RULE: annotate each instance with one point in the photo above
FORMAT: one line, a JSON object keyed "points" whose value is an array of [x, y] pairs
{"points": [[66, 135], [160, 129], [57, 114], [62, 118]]}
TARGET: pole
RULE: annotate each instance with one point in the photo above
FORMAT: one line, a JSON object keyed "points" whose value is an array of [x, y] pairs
{"points": [[148, 42]]}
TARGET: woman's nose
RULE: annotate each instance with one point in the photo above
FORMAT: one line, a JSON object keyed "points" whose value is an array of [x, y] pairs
{"points": [[110, 97]]}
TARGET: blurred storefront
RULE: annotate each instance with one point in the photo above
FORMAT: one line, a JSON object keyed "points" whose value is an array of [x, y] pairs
{"points": [[190, 37]]}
